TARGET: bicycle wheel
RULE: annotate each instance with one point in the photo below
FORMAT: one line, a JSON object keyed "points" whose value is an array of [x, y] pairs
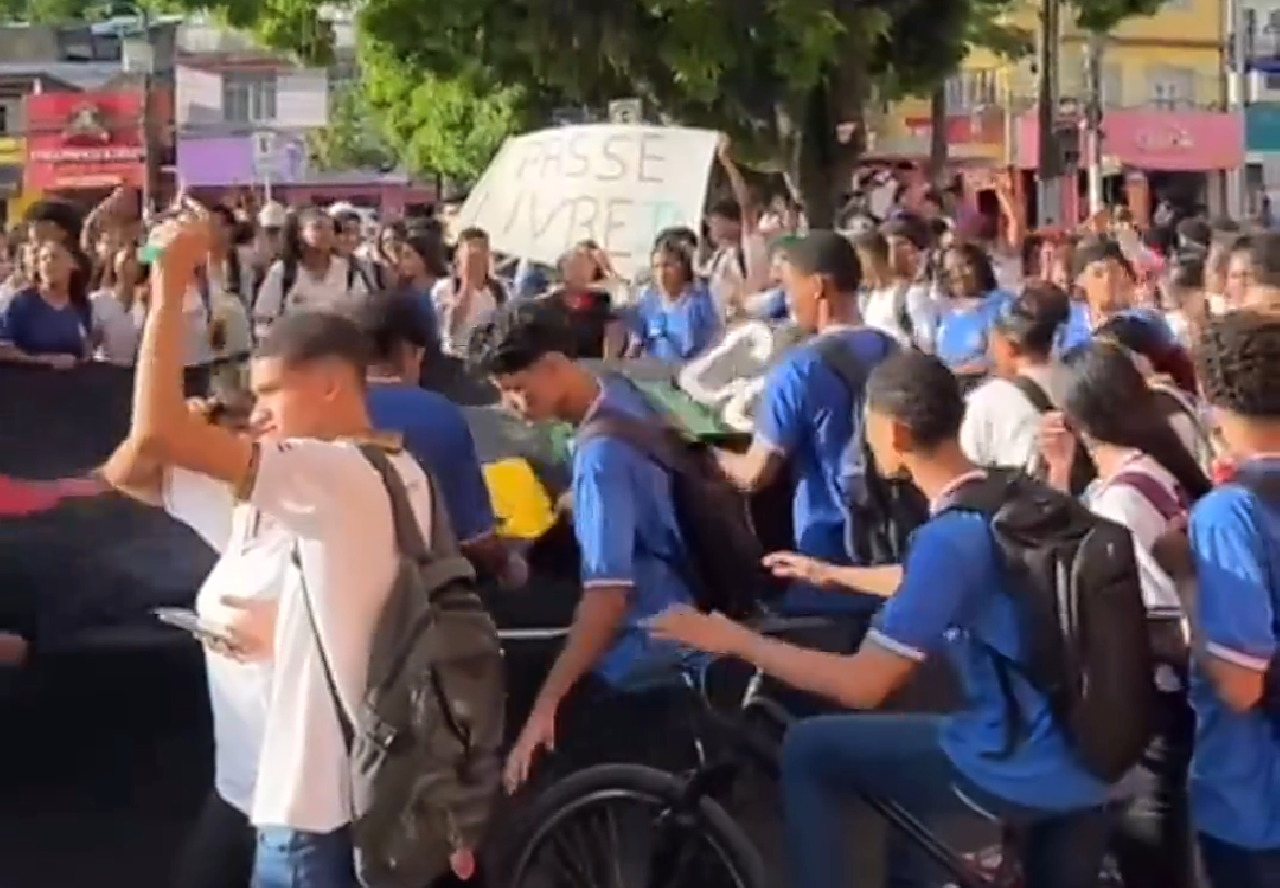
{"points": [[629, 826]]}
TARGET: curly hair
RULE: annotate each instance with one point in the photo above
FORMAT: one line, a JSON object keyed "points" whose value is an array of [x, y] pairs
{"points": [[1236, 362]]}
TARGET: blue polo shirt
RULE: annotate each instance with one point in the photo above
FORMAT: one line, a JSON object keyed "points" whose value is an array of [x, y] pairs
{"points": [[32, 325], [962, 332], [806, 414], [625, 523], [436, 434], [675, 331], [1235, 769], [953, 601]]}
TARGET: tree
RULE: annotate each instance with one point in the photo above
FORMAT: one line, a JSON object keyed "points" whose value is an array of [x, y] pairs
{"points": [[777, 76], [442, 125], [351, 140]]}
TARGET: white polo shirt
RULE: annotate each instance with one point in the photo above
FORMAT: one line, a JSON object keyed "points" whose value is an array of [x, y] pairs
{"points": [[333, 290], [279, 754]]}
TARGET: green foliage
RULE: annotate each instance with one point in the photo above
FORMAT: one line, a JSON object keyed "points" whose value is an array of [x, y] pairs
{"points": [[451, 125], [1103, 15], [350, 141], [450, 78]]}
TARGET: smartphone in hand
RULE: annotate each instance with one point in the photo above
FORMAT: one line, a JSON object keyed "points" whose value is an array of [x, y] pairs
{"points": [[189, 621]]}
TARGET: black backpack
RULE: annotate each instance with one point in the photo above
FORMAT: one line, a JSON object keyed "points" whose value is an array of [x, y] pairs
{"points": [[883, 512], [724, 566], [1083, 471], [1078, 592]]}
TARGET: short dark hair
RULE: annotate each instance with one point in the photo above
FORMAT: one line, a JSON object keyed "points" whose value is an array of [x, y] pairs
{"points": [[917, 390], [473, 235], [303, 337], [1100, 249], [56, 212], [1196, 231], [390, 320], [726, 208], [1031, 319], [1236, 363], [830, 255], [517, 334], [910, 227], [1264, 258]]}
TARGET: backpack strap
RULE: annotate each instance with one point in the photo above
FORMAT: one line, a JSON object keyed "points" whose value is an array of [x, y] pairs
{"points": [[1166, 504], [288, 278], [441, 562], [841, 361], [1033, 392], [652, 441]]}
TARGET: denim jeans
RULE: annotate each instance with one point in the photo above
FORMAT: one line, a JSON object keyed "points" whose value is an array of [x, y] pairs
{"points": [[289, 858], [828, 759], [1230, 866]]}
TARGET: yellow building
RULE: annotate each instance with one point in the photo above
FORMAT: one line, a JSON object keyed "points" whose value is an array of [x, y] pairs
{"points": [[1170, 61]]}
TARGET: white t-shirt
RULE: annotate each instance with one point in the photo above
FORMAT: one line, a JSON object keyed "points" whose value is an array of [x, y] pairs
{"points": [[735, 271], [279, 753], [1127, 505], [116, 329], [458, 313], [333, 290], [887, 308], [1001, 425], [226, 307]]}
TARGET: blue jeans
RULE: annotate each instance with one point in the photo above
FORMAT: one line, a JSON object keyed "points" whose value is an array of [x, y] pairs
{"points": [[828, 759], [1230, 866], [289, 858]]}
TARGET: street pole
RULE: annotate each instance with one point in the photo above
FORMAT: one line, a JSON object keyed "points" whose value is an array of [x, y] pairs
{"points": [[1238, 94], [148, 122], [1093, 120], [1049, 190]]}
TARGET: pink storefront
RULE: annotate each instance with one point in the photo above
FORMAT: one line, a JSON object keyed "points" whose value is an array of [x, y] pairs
{"points": [[1174, 151]]}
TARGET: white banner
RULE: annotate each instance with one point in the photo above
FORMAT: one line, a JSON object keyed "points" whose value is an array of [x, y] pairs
{"points": [[616, 185]]}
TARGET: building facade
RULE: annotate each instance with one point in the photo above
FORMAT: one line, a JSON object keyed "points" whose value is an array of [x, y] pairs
{"points": [[1163, 90]]}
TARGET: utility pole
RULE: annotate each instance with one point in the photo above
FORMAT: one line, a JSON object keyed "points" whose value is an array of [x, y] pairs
{"points": [[1238, 95], [1093, 119], [1049, 191]]}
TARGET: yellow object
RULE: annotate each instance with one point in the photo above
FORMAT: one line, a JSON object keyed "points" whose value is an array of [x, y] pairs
{"points": [[521, 504]]}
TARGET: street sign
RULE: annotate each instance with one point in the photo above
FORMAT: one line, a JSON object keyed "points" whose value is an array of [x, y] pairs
{"points": [[265, 157], [626, 111]]}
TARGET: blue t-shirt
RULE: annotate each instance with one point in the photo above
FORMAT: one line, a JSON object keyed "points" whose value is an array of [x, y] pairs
{"points": [[953, 600], [436, 434], [1235, 769], [806, 414], [674, 331], [1079, 327], [422, 298], [625, 523], [962, 332], [35, 327]]}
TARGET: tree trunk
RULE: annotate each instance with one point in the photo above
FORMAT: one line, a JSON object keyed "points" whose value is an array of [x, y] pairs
{"points": [[821, 166], [938, 135]]}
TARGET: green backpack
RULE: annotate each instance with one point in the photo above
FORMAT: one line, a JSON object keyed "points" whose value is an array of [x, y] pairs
{"points": [[425, 754]]}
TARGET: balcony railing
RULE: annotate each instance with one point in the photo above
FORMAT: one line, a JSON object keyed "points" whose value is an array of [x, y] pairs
{"points": [[1261, 50]]}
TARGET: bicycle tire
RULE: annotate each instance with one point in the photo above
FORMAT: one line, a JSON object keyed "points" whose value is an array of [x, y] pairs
{"points": [[598, 784]]}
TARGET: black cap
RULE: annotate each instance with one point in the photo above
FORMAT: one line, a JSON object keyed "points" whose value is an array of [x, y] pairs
{"points": [[910, 227], [828, 254]]}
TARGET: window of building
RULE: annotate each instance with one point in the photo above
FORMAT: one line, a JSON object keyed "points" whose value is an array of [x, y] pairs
{"points": [[973, 90], [1171, 89], [249, 97], [1112, 85]]}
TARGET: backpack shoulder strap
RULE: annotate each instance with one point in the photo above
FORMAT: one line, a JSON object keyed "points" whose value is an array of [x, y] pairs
{"points": [[442, 562], [1166, 504], [288, 277], [650, 440], [1033, 392], [841, 361]]}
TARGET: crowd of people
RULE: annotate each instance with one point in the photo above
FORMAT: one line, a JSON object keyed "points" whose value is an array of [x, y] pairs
{"points": [[1129, 371]]}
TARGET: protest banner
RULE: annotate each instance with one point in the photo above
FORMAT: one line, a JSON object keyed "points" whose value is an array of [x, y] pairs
{"points": [[616, 185]]}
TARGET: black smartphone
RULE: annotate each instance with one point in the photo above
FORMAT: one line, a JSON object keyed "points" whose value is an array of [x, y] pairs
{"points": [[189, 621]]}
